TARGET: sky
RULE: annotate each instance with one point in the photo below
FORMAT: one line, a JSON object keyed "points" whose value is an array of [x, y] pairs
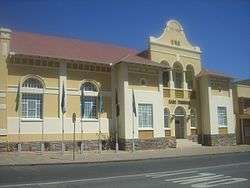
{"points": [[221, 28]]}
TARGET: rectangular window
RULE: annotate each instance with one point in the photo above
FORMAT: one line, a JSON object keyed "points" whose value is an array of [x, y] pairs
{"points": [[89, 107], [222, 116], [145, 115], [31, 106]]}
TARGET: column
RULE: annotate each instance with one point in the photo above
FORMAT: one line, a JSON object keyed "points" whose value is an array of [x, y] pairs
{"points": [[171, 81], [184, 83]]}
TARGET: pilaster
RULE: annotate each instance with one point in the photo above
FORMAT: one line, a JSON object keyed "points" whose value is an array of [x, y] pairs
{"points": [[5, 35]]}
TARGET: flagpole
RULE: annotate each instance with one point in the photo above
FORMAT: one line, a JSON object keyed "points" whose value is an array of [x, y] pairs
{"points": [[116, 125], [133, 134], [99, 135], [19, 146], [81, 150], [116, 137], [63, 110], [42, 144], [133, 119], [82, 115], [62, 142]]}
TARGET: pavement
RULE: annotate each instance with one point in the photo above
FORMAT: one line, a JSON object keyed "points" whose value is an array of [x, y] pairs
{"points": [[38, 158], [228, 170]]}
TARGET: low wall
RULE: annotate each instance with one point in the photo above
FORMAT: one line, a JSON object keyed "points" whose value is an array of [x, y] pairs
{"points": [[54, 145], [219, 140], [140, 144]]}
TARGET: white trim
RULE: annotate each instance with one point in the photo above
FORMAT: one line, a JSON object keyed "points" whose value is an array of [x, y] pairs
{"points": [[90, 93], [73, 93], [145, 129], [32, 90], [31, 120], [52, 92], [3, 132], [2, 95], [89, 120], [167, 128], [2, 106]]}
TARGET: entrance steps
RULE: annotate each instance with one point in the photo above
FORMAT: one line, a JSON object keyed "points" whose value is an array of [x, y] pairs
{"points": [[185, 143]]}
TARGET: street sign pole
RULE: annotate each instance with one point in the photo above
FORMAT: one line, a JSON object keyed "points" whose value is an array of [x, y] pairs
{"points": [[74, 133]]}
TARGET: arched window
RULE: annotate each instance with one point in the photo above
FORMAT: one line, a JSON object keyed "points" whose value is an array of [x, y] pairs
{"points": [[32, 99], [179, 111], [165, 75], [177, 75], [190, 76], [193, 118], [166, 118], [88, 101], [88, 86]]}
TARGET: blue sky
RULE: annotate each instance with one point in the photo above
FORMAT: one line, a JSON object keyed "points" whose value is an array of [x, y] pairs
{"points": [[221, 28]]}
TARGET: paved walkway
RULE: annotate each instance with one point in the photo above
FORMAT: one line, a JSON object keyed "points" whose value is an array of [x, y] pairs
{"points": [[32, 158]]}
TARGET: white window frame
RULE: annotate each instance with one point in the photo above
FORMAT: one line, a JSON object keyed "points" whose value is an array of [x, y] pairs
{"points": [[89, 118], [38, 110], [223, 116], [32, 91], [148, 126], [89, 93]]}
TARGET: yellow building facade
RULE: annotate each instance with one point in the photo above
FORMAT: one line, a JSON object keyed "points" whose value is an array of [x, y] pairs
{"points": [[121, 97]]}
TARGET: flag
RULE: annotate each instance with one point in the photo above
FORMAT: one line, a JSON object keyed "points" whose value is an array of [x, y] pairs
{"points": [[17, 97], [101, 105], [133, 103], [117, 104], [63, 104]]}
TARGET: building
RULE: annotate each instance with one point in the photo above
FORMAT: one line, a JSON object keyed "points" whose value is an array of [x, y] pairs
{"points": [[241, 91], [144, 99]]}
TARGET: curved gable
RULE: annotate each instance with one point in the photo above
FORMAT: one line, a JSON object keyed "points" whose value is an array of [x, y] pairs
{"points": [[174, 36]]}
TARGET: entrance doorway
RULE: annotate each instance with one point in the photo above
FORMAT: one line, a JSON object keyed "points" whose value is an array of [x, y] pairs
{"points": [[180, 122]]}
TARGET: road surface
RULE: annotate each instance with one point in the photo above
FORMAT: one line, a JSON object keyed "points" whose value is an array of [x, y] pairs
{"points": [[219, 171]]}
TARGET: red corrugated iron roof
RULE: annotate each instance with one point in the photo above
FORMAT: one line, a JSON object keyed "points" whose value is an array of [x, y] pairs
{"points": [[73, 49], [65, 48]]}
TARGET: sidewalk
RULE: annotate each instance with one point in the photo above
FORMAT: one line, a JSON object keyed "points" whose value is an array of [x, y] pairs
{"points": [[33, 158]]}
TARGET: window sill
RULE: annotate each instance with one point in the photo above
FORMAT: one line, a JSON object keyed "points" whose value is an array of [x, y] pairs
{"points": [[31, 120], [167, 128], [145, 129], [222, 126], [89, 120]]}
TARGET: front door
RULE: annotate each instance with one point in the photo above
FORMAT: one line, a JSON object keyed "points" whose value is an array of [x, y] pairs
{"points": [[179, 127]]}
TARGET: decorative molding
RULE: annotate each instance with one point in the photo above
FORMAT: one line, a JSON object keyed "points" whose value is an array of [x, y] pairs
{"points": [[165, 52], [54, 91]]}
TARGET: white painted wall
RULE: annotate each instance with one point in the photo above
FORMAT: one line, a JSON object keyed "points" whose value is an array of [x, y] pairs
{"points": [[147, 97], [54, 126], [224, 101]]}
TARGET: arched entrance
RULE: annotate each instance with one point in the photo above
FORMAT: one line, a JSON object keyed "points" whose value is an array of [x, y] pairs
{"points": [[180, 122]]}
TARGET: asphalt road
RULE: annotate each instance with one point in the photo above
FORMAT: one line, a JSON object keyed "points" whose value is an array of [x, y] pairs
{"points": [[222, 171]]}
